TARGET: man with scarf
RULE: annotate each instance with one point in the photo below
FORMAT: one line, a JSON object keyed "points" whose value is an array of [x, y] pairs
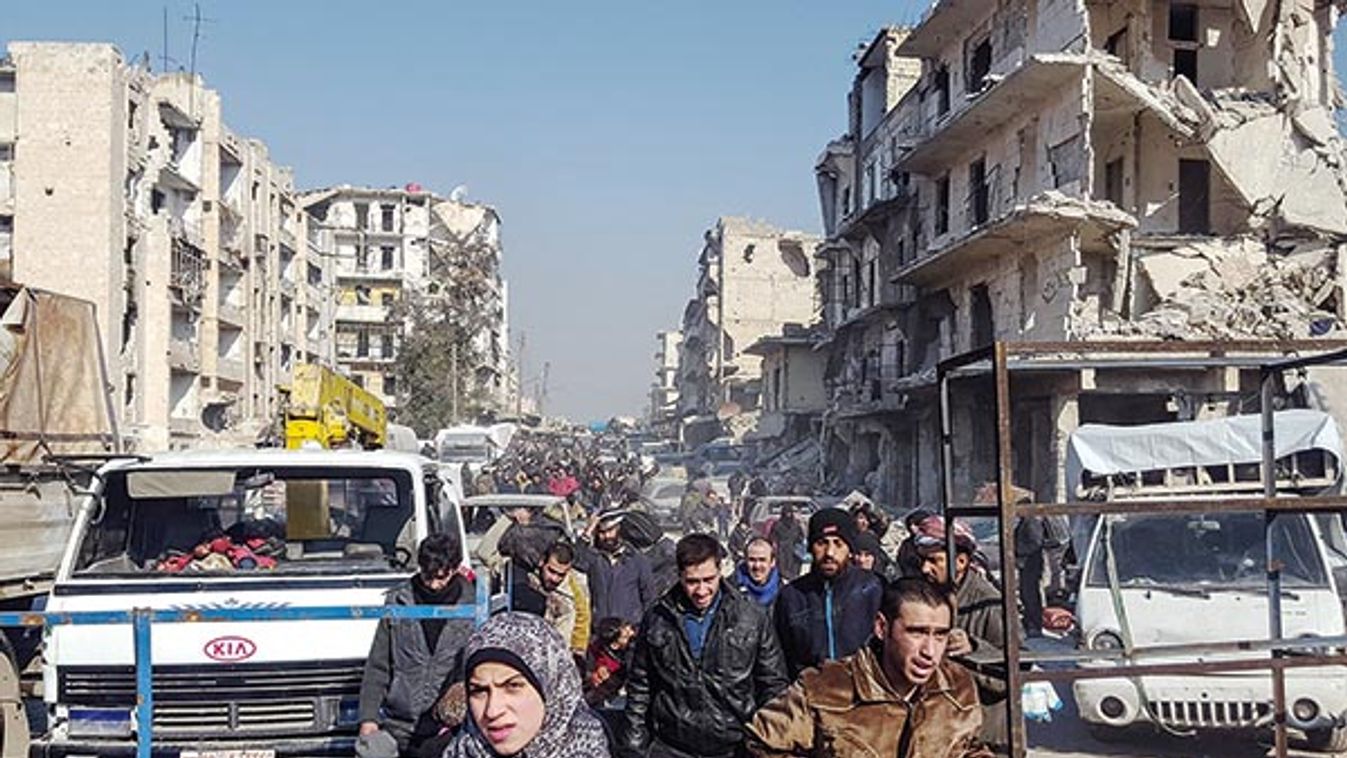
{"points": [[756, 576], [412, 660], [705, 661]]}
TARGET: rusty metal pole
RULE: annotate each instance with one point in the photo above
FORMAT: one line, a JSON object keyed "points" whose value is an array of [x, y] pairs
{"points": [[1006, 519], [947, 474], [1274, 574]]}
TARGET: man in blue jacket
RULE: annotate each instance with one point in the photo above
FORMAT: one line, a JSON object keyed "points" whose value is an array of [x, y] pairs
{"points": [[828, 613]]}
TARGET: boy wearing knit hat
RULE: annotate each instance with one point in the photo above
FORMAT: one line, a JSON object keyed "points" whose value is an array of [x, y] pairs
{"points": [[828, 613]]}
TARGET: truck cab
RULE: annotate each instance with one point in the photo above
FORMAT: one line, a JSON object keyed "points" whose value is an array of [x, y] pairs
{"points": [[233, 529]]}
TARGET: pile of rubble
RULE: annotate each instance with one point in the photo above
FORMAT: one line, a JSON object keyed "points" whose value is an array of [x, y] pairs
{"points": [[1238, 289]]}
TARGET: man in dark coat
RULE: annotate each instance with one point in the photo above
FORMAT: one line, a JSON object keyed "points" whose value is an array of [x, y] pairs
{"points": [[705, 660], [411, 661], [829, 613], [786, 536], [979, 619], [620, 581]]}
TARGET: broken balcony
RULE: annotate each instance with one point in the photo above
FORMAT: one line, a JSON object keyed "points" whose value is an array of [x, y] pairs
{"points": [[1050, 215], [953, 136], [943, 24]]}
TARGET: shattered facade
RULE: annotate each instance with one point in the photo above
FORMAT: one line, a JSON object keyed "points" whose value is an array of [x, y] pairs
{"points": [[127, 189], [391, 242], [1050, 170], [793, 396], [664, 389], [752, 279]]}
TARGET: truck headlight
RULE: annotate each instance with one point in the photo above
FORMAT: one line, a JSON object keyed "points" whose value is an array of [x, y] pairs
{"points": [[1106, 641], [99, 722]]}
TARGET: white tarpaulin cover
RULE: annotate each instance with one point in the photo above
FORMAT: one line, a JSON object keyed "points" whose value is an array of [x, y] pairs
{"points": [[1103, 449]]}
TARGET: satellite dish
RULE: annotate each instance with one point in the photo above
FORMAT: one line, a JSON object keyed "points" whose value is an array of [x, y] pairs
{"points": [[728, 411], [458, 193]]}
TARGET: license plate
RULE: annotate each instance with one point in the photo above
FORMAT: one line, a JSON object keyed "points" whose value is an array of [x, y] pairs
{"points": [[227, 754]]}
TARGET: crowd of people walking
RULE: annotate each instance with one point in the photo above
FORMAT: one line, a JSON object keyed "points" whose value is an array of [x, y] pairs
{"points": [[840, 634]]}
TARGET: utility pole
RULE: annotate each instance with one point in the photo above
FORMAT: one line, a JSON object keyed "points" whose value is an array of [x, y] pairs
{"points": [[453, 388], [519, 375], [721, 393], [542, 387]]}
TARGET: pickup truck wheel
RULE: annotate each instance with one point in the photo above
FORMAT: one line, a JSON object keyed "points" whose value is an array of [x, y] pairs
{"points": [[14, 736], [1331, 740]]}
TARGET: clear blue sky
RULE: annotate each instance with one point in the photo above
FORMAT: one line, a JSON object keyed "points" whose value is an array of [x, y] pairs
{"points": [[609, 134]]}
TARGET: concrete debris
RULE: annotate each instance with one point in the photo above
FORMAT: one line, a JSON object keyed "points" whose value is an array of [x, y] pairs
{"points": [[1236, 289], [1061, 205], [1303, 184]]}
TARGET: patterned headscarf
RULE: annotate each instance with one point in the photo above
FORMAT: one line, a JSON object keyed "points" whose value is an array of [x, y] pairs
{"points": [[569, 729]]}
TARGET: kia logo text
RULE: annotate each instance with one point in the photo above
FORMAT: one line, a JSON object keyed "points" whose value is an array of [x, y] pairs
{"points": [[230, 649]]}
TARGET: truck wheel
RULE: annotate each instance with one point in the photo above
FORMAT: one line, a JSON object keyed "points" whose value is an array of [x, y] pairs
{"points": [[14, 736], [1330, 740], [1108, 734]]}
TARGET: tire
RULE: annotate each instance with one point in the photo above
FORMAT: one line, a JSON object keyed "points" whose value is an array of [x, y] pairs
{"points": [[1110, 735], [14, 737], [1331, 740]]}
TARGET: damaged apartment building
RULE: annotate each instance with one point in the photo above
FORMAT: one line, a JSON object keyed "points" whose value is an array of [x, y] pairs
{"points": [[752, 279], [127, 189], [1065, 170], [392, 243]]}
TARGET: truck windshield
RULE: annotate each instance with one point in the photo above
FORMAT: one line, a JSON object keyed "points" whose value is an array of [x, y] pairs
{"points": [[276, 521], [464, 449], [1207, 551]]}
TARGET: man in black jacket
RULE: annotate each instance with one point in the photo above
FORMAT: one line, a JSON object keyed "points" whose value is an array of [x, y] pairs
{"points": [[705, 660], [828, 613], [411, 662]]}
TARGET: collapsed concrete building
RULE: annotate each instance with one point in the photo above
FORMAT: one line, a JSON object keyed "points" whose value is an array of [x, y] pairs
{"points": [[662, 413], [752, 279], [390, 244], [127, 189], [1040, 170]]}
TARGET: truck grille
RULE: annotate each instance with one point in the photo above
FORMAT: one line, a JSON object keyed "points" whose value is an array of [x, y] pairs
{"points": [[1219, 714], [224, 699]]}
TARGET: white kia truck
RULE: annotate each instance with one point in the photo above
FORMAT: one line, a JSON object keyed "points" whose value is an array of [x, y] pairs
{"points": [[243, 529]]}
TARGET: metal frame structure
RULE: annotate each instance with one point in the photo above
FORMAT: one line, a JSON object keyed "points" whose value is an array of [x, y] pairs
{"points": [[142, 619], [1270, 359]]}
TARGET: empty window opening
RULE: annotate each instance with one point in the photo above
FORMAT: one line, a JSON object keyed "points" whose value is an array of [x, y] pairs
{"points": [[1117, 45], [386, 299], [361, 215], [980, 305], [979, 65], [386, 257], [1067, 160], [1113, 181], [361, 258], [942, 205], [386, 218], [977, 192], [1183, 22], [942, 90], [1185, 64], [362, 344], [386, 345], [1194, 197], [390, 385]]}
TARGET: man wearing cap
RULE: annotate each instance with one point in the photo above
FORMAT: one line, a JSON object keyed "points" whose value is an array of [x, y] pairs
{"points": [[828, 613], [979, 617], [620, 581]]}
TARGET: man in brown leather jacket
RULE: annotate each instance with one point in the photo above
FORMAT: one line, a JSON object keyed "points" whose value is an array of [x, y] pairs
{"points": [[897, 696]]}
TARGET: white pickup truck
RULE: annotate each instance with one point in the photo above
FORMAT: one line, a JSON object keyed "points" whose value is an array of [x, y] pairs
{"points": [[236, 530]]}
